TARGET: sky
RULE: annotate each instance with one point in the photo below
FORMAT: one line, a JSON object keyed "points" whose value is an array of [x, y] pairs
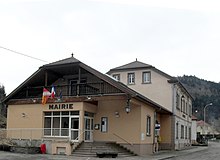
{"points": [[175, 36]]}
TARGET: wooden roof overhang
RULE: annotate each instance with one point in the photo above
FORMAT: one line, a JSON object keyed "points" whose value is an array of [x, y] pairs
{"points": [[47, 74]]}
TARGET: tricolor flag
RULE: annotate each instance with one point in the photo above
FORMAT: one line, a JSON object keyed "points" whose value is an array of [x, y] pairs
{"points": [[46, 95], [53, 92]]}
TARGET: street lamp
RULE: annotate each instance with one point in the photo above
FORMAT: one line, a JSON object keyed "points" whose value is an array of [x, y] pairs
{"points": [[210, 104]]}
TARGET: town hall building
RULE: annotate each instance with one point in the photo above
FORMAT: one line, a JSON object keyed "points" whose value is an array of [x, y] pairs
{"points": [[88, 106]]}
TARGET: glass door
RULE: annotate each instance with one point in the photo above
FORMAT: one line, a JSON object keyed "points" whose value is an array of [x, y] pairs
{"points": [[74, 128], [88, 129]]}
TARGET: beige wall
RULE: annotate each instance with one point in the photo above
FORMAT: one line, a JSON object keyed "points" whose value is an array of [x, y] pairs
{"points": [[145, 111], [165, 131], [130, 128], [159, 90], [25, 116], [127, 129], [133, 123], [121, 126], [26, 121]]}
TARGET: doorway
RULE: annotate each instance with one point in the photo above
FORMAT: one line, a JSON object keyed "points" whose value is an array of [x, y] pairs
{"points": [[74, 128], [88, 136]]}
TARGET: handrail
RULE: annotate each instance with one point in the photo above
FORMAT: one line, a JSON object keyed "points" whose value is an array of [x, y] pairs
{"points": [[131, 144], [77, 138]]}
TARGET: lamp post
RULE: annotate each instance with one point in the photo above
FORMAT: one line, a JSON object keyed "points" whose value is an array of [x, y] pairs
{"points": [[210, 104]]}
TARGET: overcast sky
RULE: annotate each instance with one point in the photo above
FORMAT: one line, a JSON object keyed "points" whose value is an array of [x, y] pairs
{"points": [[178, 37]]}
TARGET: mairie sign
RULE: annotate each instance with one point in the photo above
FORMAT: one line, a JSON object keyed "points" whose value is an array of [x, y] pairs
{"points": [[60, 106]]}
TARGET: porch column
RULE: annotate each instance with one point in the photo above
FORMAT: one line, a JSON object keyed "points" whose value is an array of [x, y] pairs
{"points": [[81, 125], [46, 77], [78, 82]]}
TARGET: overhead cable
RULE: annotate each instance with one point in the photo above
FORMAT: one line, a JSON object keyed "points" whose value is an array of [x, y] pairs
{"points": [[22, 54]]}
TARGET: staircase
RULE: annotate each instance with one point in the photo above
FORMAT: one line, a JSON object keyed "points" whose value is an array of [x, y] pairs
{"points": [[89, 149]]}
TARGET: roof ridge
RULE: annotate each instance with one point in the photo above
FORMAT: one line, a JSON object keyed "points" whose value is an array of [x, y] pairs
{"points": [[62, 61], [131, 65]]}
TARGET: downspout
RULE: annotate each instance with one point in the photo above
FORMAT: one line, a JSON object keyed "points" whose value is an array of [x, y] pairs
{"points": [[154, 143], [173, 117]]}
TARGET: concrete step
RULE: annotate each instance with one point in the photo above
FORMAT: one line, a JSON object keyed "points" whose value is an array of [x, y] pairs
{"points": [[90, 149]]}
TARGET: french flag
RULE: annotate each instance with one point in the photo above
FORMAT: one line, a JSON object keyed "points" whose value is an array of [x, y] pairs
{"points": [[52, 92]]}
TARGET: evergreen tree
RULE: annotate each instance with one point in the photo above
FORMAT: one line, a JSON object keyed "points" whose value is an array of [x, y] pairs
{"points": [[2, 92], [2, 107]]}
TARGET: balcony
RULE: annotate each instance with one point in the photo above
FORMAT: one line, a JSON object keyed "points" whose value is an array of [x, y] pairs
{"points": [[80, 89]]}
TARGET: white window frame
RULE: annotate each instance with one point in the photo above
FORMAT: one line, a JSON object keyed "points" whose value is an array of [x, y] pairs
{"points": [[148, 126], [116, 76], [146, 77], [131, 78], [177, 101], [60, 129], [182, 132], [104, 124]]}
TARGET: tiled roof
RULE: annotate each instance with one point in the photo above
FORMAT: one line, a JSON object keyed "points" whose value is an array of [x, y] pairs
{"points": [[64, 61], [133, 65], [200, 123], [194, 118]]}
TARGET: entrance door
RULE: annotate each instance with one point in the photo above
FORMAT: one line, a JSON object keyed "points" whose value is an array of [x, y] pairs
{"points": [[88, 129], [74, 128]]}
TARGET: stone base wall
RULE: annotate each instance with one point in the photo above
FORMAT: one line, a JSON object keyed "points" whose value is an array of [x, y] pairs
{"points": [[165, 146], [140, 149]]}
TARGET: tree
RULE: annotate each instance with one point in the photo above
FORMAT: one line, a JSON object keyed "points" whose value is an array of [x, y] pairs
{"points": [[2, 92], [2, 107]]}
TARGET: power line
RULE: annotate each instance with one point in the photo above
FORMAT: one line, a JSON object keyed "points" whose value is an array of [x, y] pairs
{"points": [[23, 54]]}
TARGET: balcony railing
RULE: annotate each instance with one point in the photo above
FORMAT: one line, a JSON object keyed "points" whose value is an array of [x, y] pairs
{"points": [[70, 90]]}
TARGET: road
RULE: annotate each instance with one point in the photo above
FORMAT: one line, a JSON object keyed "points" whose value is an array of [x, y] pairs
{"points": [[211, 153]]}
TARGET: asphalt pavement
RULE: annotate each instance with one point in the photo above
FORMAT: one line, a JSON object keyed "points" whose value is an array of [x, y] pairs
{"points": [[158, 156]]}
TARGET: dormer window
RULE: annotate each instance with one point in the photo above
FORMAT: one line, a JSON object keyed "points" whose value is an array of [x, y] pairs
{"points": [[131, 78]]}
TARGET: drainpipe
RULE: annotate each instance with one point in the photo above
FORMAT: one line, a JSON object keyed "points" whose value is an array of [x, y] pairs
{"points": [[173, 120], [154, 143]]}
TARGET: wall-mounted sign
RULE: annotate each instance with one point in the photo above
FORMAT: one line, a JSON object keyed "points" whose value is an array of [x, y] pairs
{"points": [[157, 126], [96, 127], [60, 106]]}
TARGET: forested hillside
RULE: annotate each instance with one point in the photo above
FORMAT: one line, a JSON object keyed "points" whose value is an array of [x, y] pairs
{"points": [[204, 92]]}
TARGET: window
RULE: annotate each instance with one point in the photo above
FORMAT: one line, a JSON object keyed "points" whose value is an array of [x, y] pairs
{"points": [[182, 132], [189, 133], [131, 78], [182, 104], [190, 110], [186, 108], [57, 123], [178, 101], [148, 127], [146, 77], [104, 124], [177, 130], [186, 132], [116, 76]]}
